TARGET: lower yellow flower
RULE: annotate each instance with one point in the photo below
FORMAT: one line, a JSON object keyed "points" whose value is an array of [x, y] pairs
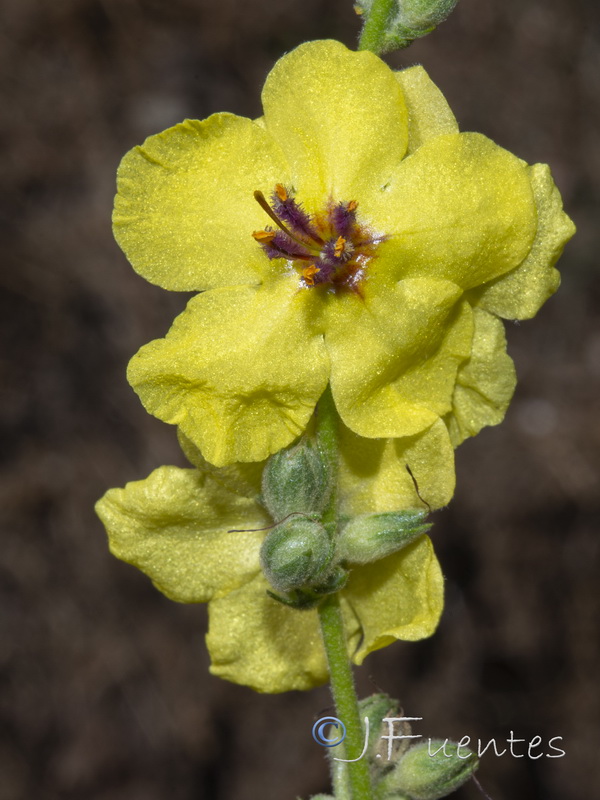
{"points": [[175, 526], [353, 236]]}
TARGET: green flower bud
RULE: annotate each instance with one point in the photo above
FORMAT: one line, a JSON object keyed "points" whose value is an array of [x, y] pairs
{"points": [[421, 776], [411, 19], [296, 480], [378, 707], [296, 554], [419, 17], [370, 537]]}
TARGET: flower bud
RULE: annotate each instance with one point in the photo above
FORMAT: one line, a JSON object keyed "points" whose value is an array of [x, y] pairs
{"points": [[421, 776], [377, 708], [419, 17], [370, 537], [411, 20], [296, 554], [296, 480]]}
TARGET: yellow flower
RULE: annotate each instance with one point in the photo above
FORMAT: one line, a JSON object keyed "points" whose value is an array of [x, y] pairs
{"points": [[351, 235], [174, 526]]}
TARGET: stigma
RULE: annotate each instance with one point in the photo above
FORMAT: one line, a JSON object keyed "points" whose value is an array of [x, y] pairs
{"points": [[329, 248]]}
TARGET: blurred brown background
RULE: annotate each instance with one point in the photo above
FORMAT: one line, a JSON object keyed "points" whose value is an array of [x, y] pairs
{"points": [[105, 690]]}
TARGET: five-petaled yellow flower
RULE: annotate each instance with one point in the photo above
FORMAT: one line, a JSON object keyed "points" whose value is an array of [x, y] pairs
{"points": [[351, 235], [176, 527]]}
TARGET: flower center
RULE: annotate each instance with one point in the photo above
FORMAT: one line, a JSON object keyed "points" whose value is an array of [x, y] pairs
{"points": [[327, 248]]}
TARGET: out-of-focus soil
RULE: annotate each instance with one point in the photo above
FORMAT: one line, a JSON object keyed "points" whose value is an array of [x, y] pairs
{"points": [[105, 688]]}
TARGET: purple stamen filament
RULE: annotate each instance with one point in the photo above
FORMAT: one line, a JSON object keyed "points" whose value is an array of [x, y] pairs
{"points": [[336, 245], [261, 200]]}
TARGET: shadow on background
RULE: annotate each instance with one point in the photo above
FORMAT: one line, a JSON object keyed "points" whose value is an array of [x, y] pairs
{"points": [[105, 689]]}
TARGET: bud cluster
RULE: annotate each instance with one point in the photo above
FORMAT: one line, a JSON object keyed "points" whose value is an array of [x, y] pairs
{"points": [[424, 771], [304, 559]]}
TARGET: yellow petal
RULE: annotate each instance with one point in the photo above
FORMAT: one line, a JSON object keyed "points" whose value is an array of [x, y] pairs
{"points": [[256, 641], [374, 477], [174, 527], [241, 478], [485, 383], [399, 597], [395, 353], [185, 210], [339, 117], [239, 372], [428, 112], [520, 294], [460, 209]]}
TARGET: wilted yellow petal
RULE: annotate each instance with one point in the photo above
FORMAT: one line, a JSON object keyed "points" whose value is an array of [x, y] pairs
{"points": [[520, 294], [399, 597], [339, 117], [374, 477], [239, 372], [174, 527], [258, 642], [185, 210], [428, 112], [485, 383]]}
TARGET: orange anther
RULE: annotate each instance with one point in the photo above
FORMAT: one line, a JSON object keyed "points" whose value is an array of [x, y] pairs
{"points": [[340, 246], [352, 205], [308, 273], [264, 236], [281, 192]]}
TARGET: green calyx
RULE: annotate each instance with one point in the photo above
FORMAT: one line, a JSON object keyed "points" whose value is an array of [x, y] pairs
{"points": [[296, 481], [308, 597], [429, 771], [369, 537]]}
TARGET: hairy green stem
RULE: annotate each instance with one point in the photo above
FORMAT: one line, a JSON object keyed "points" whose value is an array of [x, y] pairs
{"points": [[373, 32], [327, 437], [344, 696], [351, 780]]}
